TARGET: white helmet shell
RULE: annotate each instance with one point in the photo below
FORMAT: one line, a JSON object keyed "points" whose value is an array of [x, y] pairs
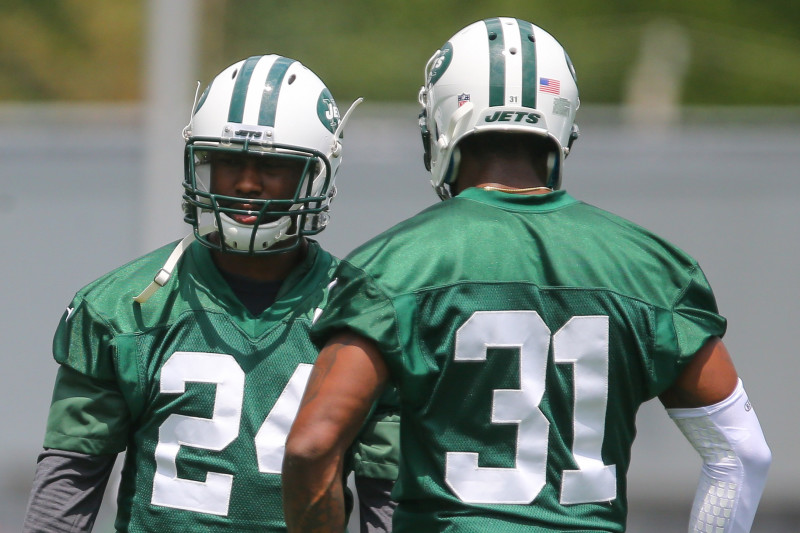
{"points": [[499, 74], [271, 105]]}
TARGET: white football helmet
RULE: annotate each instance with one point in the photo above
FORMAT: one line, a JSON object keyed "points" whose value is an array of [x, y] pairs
{"points": [[499, 74], [275, 107]]}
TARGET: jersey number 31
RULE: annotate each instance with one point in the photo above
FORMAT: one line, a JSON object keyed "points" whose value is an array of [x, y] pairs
{"points": [[581, 342]]}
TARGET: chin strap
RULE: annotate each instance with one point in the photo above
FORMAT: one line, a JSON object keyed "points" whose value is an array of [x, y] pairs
{"points": [[165, 273]]}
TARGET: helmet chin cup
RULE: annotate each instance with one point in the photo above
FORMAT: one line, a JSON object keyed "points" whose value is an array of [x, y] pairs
{"points": [[237, 236]]}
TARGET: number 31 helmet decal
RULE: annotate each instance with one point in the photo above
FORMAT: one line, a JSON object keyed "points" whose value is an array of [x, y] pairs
{"points": [[500, 74]]}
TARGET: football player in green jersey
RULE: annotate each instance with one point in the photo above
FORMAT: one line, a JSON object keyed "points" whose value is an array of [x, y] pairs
{"points": [[522, 327], [198, 373]]}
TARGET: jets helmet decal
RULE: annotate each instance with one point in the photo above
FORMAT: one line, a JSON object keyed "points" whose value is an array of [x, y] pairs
{"points": [[499, 74]]}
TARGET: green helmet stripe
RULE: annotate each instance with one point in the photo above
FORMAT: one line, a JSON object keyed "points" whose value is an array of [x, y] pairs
{"points": [[528, 49], [236, 109], [272, 90], [497, 62]]}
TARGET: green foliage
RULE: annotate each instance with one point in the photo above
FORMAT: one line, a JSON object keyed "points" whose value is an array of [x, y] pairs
{"points": [[736, 52], [70, 50]]}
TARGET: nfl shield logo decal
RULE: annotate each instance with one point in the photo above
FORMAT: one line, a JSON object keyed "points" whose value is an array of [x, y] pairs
{"points": [[463, 99]]}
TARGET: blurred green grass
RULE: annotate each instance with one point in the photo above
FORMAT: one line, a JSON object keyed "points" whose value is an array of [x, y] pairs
{"points": [[737, 53]]}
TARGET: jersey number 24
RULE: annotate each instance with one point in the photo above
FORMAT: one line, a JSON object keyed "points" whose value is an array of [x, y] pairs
{"points": [[213, 495]]}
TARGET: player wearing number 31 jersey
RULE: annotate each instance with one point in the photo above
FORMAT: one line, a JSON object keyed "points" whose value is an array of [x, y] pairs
{"points": [[523, 328], [197, 375]]}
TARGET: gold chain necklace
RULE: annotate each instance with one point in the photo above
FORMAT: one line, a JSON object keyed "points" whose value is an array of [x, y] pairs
{"points": [[516, 191]]}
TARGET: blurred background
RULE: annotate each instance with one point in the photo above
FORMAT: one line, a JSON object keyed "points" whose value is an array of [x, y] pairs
{"points": [[690, 125]]}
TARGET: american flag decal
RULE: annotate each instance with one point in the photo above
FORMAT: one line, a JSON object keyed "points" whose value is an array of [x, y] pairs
{"points": [[549, 85]]}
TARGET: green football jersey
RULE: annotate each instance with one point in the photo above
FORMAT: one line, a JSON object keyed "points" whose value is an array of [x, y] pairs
{"points": [[200, 393], [523, 333]]}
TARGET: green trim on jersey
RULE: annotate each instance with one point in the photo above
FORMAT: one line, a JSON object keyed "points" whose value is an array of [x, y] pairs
{"points": [[376, 458], [191, 357], [559, 304]]}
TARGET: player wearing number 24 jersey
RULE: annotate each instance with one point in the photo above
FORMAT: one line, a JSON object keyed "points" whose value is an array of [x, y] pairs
{"points": [[523, 327], [181, 385], [198, 373]]}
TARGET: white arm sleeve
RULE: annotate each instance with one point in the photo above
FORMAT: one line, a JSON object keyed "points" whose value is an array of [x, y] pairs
{"points": [[735, 462]]}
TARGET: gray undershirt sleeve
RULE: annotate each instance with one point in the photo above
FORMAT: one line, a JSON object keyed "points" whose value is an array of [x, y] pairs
{"points": [[376, 504], [67, 491]]}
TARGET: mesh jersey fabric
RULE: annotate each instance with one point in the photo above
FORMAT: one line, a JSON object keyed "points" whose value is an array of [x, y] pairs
{"points": [[197, 390], [523, 333]]}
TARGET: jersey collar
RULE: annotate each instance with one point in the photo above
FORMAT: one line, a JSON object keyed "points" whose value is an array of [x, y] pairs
{"points": [[310, 275], [519, 202]]}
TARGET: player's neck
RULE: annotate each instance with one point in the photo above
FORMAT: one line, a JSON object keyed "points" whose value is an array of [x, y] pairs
{"points": [[272, 267], [502, 173]]}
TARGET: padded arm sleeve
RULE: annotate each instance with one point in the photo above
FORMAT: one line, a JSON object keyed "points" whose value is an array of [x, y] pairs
{"points": [[728, 437]]}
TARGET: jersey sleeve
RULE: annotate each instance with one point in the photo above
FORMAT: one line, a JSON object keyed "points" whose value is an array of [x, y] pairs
{"points": [[88, 412], [696, 316], [682, 330], [357, 303], [376, 451]]}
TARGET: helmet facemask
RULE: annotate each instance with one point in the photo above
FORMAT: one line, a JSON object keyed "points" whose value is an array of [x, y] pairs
{"points": [[277, 220]]}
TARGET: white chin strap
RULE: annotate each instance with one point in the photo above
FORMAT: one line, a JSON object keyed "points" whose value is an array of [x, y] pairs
{"points": [[163, 275], [237, 236]]}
